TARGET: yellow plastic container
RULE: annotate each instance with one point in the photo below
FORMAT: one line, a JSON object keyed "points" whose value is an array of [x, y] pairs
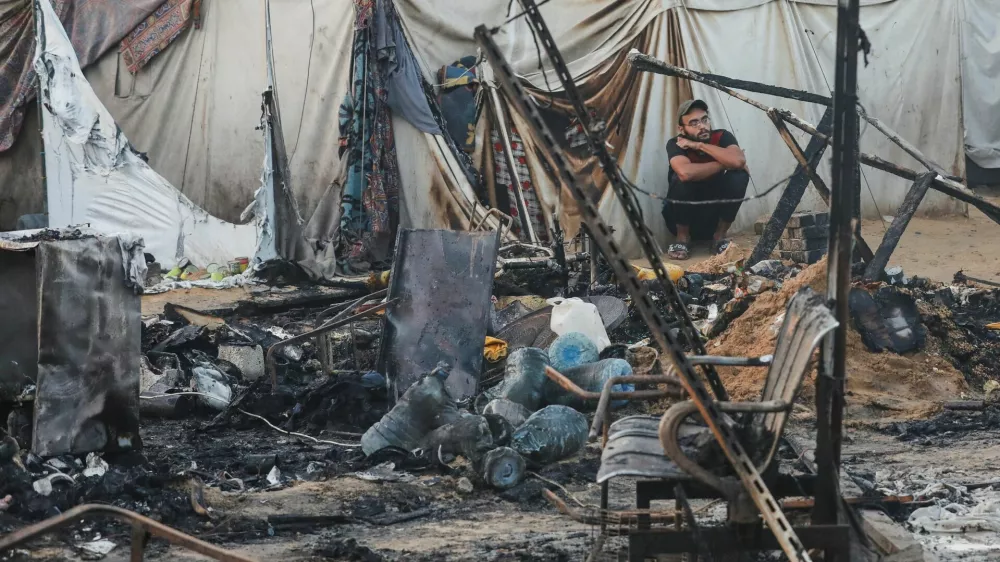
{"points": [[675, 272]]}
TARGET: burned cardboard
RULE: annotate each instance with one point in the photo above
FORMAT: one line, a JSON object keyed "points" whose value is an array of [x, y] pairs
{"points": [[444, 280]]}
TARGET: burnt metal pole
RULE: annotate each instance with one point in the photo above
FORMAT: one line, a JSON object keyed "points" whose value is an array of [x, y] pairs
{"points": [[830, 383]]}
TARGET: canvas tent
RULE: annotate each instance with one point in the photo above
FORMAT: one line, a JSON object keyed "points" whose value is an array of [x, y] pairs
{"points": [[194, 107]]}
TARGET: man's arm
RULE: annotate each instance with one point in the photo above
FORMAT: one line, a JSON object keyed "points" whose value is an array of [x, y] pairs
{"points": [[687, 170], [730, 157]]}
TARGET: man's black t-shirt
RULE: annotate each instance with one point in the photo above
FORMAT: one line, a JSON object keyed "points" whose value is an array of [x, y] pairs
{"points": [[725, 139]]}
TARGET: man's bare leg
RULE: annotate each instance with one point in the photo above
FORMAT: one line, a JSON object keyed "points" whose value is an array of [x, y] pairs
{"points": [[684, 235], [720, 232]]}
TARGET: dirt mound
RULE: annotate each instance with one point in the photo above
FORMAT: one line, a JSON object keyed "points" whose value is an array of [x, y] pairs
{"points": [[879, 385], [717, 264]]}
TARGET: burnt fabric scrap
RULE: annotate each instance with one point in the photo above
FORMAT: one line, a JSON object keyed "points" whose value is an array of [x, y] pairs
{"points": [[406, 94], [370, 204], [158, 31], [93, 27]]}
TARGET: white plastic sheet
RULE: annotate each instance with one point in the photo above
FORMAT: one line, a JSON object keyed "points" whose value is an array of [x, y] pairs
{"points": [[95, 178]]}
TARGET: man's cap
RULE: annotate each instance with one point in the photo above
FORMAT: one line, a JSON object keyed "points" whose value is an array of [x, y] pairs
{"points": [[687, 106]]}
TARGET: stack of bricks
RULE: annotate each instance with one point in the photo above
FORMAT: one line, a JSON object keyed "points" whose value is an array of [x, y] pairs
{"points": [[805, 237]]}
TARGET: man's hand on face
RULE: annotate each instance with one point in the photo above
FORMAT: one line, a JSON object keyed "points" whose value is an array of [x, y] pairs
{"points": [[687, 144]]}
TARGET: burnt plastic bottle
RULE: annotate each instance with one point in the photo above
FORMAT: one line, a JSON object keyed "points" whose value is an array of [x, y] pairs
{"points": [[524, 377], [513, 412], [424, 407], [590, 377], [503, 468]]}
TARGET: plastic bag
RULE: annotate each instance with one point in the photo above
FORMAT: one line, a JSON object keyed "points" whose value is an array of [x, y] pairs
{"points": [[550, 434]]}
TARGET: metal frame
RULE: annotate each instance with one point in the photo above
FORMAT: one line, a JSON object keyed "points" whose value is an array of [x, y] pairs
{"points": [[670, 346], [142, 528]]}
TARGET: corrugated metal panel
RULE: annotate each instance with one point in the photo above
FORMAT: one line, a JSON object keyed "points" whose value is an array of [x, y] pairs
{"points": [[89, 330]]}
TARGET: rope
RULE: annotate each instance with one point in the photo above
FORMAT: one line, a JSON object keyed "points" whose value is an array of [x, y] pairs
{"points": [[808, 34], [711, 202]]}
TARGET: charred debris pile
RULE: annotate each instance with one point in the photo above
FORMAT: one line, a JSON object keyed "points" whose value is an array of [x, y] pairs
{"points": [[255, 399]]}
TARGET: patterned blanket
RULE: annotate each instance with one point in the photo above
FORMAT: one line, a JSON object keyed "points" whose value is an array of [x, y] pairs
{"points": [[94, 26], [159, 30]]}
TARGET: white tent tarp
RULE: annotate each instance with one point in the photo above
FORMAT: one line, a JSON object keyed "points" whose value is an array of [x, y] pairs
{"points": [[195, 106], [980, 76], [95, 178]]}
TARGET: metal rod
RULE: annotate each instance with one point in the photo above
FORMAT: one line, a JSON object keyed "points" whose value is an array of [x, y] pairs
{"points": [[718, 360], [508, 152], [830, 382], [593, 261], [332, 325], [604, 397], [153, 527], [343, 307]]}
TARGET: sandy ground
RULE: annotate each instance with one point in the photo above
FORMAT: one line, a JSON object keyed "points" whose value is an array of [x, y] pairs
{"points": [[938, 247], [935, 247]]}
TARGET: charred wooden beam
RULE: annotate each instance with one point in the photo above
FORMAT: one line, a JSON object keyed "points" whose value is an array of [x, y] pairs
{"points": [[817, 181], [903, 215], [646, 63], [949, 185], [791, 197]]}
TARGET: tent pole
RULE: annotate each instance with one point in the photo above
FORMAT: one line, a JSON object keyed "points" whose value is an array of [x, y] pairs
{"points": [[40, 45], [831, 379], [508, 152]]}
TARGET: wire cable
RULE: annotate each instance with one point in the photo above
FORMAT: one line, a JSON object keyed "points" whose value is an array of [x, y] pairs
{"points": [[711, 202], [305, 91], [808, 34], [538, 53], [495, 30]]}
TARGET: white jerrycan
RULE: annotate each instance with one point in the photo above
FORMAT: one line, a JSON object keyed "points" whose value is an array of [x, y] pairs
{"points": [[575, 315]]}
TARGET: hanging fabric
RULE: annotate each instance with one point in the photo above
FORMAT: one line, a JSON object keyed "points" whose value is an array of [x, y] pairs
{"points": [[370, 202]]}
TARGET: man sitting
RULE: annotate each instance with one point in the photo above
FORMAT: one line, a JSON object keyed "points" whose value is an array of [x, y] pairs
{"points": [[705, 165]]}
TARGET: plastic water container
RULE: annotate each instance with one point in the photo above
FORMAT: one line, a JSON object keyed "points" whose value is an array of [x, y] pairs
{"points": [[524, 377], [590, 377], [469, 436], [572, 350], [550, 434], [424, 407], [511, 411], [575, 315], [503, 468]]}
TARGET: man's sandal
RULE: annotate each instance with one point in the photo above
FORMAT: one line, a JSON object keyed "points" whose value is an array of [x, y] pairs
{"points": [[678, 252], [721, 246]]}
